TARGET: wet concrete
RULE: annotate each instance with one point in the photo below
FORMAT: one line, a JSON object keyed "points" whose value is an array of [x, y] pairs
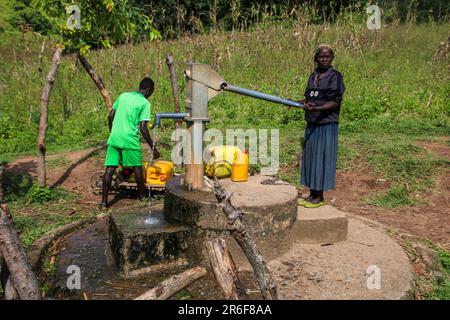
{"points": [[143, 242]]}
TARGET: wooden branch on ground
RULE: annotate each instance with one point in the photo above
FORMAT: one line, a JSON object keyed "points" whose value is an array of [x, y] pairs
{"points": [[97, 80], [170, 286], [21, 274], [268, 288], [43, 121], [176, 98], [225, 269]]}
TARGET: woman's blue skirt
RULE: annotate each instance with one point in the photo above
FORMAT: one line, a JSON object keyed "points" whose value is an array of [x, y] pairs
{"points": [[319, 156]]}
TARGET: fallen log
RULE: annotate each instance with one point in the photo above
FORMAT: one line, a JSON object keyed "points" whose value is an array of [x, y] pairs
{"points": [[10, 292], [21, 274], [235, 226], [171, 286], [2, 191], [225, 269]]}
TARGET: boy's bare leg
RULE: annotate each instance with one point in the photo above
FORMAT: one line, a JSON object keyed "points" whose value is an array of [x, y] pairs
{"points": [[107, 179], [140, 182]]}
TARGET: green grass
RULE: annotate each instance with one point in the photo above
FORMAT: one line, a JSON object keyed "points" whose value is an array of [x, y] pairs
{"points": [[37, 210], [441, 286], [44, 218], [390, 74]]}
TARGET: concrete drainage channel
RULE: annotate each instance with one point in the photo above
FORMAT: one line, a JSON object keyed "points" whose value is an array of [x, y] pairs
{"points": [[312, 253]]}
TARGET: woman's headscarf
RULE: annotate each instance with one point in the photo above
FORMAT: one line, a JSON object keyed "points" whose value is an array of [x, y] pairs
{"points": [[323, 47]]}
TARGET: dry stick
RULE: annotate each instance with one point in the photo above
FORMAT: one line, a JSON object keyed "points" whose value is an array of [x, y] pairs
{"points": [[21, 274], [169, 287], [97, 80], [225, 269], [268, 288], [176, 99], [43, 122], [429, 101]]}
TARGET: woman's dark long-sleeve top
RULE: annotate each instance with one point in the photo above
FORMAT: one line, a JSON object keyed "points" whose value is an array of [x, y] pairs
{"points": [[322, 88]]}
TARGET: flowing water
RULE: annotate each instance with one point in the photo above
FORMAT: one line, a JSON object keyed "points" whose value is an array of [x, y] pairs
{"points": [[151, 218]]}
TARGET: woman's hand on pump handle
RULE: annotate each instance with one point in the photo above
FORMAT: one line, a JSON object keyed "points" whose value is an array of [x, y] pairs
{"points": [[310, 106]]}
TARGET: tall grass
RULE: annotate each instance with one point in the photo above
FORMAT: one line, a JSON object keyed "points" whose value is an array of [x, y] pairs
{"points": [[391, 72]]}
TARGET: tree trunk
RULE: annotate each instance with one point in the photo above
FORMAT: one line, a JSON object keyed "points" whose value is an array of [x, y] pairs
{"points": [[97, 80], [21, 274], [169, 287], [268, 288], [43, 122], [225, 269], [176, 100]]}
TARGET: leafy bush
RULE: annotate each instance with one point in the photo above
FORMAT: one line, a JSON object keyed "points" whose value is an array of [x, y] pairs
{"points": [[16, 186], [39, 194]]}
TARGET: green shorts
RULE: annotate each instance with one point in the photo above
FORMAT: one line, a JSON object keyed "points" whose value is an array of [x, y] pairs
{"points": [[130, 158]]}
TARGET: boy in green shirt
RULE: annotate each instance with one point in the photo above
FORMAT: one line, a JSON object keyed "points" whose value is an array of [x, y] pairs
{"points": [[131, 114]]}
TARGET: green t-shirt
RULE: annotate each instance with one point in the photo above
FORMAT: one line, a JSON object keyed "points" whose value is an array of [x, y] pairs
{"points": [[131, 108]]}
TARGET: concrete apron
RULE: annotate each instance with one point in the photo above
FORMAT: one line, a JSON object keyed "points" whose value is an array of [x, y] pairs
{"points": [[368, 264], [317, 254]]}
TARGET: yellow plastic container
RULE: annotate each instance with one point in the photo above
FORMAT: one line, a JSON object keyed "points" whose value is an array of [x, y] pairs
{"points": [[239, 169], [159, 173], [221, 161]]}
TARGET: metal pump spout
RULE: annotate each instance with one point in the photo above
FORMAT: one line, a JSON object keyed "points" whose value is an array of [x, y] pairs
{"points": [[170, 115]]}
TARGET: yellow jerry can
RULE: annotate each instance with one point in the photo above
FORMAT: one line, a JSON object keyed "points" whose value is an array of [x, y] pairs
{"points": [[239, 169], [157, 174], [222, 158]]}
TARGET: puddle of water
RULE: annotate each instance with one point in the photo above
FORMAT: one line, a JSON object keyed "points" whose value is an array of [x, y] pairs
{"points": [[152, 220]]}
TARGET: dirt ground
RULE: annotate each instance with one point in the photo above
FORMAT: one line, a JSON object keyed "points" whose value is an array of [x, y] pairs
{"points": [[430, 220]]}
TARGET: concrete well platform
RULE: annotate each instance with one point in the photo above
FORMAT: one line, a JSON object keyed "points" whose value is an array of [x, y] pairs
{"points": [[321, 225], [269, 209]]}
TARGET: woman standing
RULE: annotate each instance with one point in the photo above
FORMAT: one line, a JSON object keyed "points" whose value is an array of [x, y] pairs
{"points": [[323, 97]]}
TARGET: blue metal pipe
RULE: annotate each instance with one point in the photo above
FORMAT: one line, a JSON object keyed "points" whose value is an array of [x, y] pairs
{"points": [[260, 95], [169, 115]]}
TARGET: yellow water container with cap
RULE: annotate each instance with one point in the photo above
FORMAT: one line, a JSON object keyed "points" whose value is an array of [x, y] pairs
{"points": [[239, 169], [158, 173], [221, 161]]}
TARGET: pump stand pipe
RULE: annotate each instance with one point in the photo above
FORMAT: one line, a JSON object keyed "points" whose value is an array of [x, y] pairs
{"points": [[170, 115], [260, 95]]}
